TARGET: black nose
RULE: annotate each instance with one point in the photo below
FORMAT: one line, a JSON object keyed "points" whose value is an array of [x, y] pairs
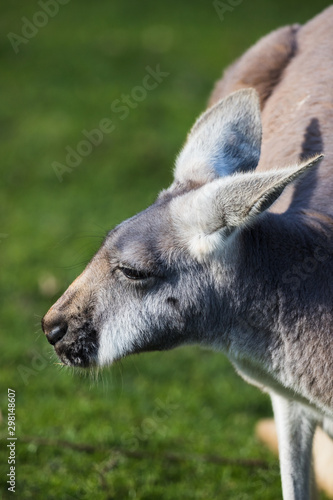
{"points": [[57, 333]]}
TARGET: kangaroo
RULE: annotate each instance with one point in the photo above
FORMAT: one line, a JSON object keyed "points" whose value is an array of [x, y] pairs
{"points": [[237, 253]]}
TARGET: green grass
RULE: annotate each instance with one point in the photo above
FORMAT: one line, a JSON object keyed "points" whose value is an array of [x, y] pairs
{"points": [[188, 402]]}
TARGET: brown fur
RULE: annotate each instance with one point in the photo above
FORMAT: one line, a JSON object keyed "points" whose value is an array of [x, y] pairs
{"points": [[261, 67], [77, 293]]}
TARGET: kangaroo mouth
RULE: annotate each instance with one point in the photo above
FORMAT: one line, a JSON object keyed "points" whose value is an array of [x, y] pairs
{"points": [[79, 352]]}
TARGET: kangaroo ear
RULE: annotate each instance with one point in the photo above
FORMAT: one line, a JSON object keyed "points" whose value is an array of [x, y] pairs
{"points": [[224, 140], [205, 217]]}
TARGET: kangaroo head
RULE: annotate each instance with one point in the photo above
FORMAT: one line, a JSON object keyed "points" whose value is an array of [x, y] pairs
{"points": [[164, 277]]}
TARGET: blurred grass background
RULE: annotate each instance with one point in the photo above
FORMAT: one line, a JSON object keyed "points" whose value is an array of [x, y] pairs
{"points": [[188, 402]]}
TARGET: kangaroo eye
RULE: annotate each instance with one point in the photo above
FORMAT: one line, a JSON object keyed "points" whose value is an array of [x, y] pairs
{"points": [[133, 274]]}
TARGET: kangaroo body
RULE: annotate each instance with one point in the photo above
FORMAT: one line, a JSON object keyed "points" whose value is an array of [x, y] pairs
{"points": [[227, 256]]}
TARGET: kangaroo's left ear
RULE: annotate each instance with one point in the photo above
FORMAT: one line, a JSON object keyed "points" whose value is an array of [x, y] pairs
{"points": [[224, 140]]}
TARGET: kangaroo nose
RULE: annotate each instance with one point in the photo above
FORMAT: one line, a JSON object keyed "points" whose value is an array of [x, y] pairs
{"points": [[55, 331], [56, 334]]}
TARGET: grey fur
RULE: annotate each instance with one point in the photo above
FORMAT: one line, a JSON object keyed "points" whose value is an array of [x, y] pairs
{"points": [[217, 264]]}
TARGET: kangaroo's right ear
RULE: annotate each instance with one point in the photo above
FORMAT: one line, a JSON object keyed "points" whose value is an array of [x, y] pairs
{"points": [[224, 140], [204, 218]]}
